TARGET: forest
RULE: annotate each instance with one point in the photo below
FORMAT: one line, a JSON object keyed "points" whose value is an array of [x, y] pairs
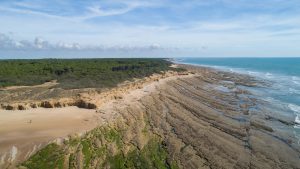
{"points": [[78, 73]]}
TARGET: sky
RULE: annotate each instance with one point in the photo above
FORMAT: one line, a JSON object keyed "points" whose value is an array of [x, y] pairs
{"points": [[152, 28]]}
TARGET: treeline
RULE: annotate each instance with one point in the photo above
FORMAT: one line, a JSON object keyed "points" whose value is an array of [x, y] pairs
{"points": [[78, 73], [122, 68]]}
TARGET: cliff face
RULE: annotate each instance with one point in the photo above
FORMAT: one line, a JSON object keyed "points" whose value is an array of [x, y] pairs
{"points": [[49, 95], [203, 120]]}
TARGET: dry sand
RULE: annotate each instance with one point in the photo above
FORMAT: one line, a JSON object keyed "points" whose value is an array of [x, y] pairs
{"points": [[47, 84], [22, 132]]}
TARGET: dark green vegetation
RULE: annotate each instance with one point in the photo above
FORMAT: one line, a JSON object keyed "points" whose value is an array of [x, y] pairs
{"points": [[78, 73], [153, 155], [48, 158], [102, 148]]}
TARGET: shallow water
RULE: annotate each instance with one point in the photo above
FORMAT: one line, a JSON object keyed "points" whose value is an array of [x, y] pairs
{"points": [[283, 74]]}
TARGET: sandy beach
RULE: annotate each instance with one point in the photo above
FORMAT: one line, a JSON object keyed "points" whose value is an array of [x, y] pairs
{"points": [[23, 132], [205, 117]]}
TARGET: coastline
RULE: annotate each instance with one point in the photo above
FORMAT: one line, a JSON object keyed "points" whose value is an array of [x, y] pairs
{"points": [[205, 119], [280, 92]]}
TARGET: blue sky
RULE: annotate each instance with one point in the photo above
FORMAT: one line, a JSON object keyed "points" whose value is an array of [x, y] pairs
{"points": [[153, 28]]}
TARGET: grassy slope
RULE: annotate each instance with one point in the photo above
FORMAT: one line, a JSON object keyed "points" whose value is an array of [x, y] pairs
{"points": [[153, 155], [78, 73]]}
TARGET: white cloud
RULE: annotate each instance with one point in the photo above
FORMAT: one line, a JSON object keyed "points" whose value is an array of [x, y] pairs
{"points": [[30, 12], [8, 43], [27, 4], [97, 10], [39, 43], [85, 12], [72, 46]]}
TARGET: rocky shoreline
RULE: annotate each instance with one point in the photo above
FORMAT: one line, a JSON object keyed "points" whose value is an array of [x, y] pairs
{"points": [[202, 119], [221, 122]]}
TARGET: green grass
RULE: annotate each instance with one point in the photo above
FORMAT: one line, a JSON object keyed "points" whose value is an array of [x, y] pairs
{"points": [[78, 73], [73, 141], [50, 157], [153, 155], [112, 135], [86, 152]]}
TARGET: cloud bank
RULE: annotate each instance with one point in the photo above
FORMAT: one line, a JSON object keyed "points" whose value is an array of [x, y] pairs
{"points": [[8, 43], [11, 48]]}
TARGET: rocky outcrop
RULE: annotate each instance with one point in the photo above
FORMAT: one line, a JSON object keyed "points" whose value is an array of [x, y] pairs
{"points": [[59, 103], [84, 104], [45, 104]]}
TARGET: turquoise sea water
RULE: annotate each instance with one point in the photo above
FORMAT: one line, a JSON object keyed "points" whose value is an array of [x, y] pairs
{"points": [[282, 73]]}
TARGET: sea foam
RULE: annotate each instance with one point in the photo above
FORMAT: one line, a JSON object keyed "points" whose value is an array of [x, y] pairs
{"points": [[297, 119], [296, 110]]}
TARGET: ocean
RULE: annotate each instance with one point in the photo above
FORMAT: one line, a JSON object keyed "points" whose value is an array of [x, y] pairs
{"points": [[282, 73]]}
